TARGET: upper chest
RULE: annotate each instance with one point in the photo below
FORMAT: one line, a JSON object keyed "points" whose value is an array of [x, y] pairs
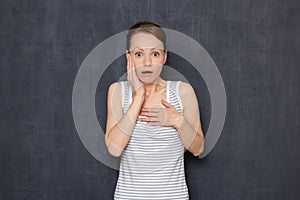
{"points": [[154, 99]]}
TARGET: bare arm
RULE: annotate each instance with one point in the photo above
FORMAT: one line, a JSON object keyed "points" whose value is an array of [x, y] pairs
{"points": [[119, 127], [188, 125]]}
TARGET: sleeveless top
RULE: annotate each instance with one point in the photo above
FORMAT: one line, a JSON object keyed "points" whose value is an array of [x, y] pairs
{"points": [[152, 163]]}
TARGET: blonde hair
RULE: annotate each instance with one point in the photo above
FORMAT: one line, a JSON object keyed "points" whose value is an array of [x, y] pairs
{"points": [[146, 27]]}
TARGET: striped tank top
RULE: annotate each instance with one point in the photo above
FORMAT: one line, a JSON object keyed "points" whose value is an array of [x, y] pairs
{"points": [[152, 163]]}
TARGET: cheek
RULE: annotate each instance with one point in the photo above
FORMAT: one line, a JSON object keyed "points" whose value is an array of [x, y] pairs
{"points": [[158, 68], [137, 64], [159, 71]]}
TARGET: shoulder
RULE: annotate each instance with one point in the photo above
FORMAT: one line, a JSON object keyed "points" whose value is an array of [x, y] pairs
{"points": [[185, 89], [114, 88], [187, 95]]}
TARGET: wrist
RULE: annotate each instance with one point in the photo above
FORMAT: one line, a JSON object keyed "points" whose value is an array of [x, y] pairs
{"points": [[138, 93], [138, 97]]}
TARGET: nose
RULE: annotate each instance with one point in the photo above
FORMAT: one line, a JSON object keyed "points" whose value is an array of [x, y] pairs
{"points": [[147, 60]]}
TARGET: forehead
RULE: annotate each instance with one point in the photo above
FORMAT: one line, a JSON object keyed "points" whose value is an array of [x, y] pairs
{"points": [[145, 40]]}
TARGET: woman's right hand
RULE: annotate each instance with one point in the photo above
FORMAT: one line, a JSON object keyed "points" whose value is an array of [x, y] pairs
{"points": [[136, 85]]}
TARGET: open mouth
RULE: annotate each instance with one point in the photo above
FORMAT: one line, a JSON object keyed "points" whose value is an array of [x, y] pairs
{"points": [[147, 72]]}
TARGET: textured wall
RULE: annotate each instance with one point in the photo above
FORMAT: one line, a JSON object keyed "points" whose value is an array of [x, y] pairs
{"points": [[255, 45]]}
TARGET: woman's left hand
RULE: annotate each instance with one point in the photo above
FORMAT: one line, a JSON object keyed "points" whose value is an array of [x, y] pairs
{"points": [[167, 116]]}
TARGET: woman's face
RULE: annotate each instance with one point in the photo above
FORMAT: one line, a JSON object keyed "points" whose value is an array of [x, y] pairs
{"points": [[147, 54]]}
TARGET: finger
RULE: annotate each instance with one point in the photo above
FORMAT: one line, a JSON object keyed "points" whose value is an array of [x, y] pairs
{"points": [[149, 114], [154, 116], [152, 109], [145, 114], [157, 123], [165, 103], [148, 119], [134, 69], [128, 67], [145, 119], [131, 69], [129, 63]]}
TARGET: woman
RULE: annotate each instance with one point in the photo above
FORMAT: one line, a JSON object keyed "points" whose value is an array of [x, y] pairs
{"points": [[146, 124]]}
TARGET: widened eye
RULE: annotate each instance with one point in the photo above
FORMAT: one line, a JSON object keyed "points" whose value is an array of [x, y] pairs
{"points": [[156, 54], [138, 54]]}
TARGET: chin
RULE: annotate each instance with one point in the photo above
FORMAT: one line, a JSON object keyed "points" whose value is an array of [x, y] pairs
{"points": [[147, 80]]}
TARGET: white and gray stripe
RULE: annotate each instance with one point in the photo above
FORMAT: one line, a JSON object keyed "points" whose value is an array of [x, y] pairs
{"points": [[152, 163]]}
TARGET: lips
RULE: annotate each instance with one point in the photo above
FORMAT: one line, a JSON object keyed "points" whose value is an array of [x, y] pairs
{"points": [[146, 72]]}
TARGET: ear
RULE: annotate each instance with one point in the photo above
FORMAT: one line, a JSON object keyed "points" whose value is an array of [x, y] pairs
{"points": [[166, 56], [127, 54]]}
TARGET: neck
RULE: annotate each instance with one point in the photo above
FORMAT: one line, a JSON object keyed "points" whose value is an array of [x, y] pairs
{"points": [[154, 86]]}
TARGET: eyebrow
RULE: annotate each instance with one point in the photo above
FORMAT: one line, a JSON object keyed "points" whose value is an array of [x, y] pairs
{"points": [[146, 48]]}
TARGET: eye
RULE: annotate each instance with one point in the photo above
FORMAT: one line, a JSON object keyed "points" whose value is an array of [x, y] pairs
{"points": [[138, 54], [156, 54]]}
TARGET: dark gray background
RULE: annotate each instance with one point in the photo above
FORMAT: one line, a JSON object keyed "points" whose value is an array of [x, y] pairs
{"points": [[255, 45]]}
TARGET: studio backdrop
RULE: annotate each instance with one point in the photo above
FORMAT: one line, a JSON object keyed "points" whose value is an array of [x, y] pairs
{"points": [[58, 59]]}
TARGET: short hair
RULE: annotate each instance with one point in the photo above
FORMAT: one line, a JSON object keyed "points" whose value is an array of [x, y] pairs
{"points": [[146, 27]]}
